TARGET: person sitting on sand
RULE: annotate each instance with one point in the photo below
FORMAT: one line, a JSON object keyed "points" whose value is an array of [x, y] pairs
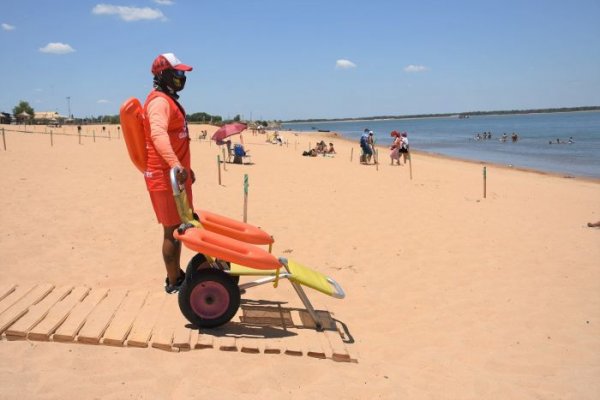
{"points": [[321, 147], [331, 150]]}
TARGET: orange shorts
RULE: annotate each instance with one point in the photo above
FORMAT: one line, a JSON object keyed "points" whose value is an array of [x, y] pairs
{"points": [[165, 207]]}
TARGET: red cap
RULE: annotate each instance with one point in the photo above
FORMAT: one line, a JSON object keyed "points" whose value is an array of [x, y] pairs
{"points": [[168, 61]]}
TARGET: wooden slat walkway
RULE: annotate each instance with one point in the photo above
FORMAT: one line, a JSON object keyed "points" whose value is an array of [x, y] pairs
{"points": [[123, 318]]}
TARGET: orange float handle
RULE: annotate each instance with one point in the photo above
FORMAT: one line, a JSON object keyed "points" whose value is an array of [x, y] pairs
{"points": [[234, 229], [227, 248]]}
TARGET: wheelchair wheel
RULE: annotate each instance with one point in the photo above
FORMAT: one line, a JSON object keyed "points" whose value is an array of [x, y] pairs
{"points": [[209, 298], [197, 262]]}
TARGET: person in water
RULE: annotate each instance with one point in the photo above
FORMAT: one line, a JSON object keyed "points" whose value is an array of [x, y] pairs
{"points": [[167, 144]]}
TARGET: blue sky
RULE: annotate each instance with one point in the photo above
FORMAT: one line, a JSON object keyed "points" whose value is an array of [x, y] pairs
{"points": [[278, 59]]}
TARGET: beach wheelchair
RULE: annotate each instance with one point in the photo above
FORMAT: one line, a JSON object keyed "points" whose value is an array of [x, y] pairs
{"points": [[227, 249]]}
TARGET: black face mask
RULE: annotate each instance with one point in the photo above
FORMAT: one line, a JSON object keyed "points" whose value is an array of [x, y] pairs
{"points": [[170, 80]]}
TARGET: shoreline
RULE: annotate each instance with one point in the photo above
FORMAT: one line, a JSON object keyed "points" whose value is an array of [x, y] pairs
{"points": [[340, 136], [321, 136]]}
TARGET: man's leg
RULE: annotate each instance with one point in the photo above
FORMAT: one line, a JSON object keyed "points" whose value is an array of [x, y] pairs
{"points": [[171, 251]]}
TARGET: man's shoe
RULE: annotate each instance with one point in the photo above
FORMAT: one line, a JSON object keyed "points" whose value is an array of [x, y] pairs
{"points": [[171, 289]]}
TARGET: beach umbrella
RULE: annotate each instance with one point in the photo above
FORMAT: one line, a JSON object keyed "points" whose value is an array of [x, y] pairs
{"points": [[228, 130]]}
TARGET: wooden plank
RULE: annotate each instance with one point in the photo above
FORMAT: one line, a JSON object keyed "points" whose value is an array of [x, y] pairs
{"points": [[170, 317], [182, 337], [293, 345], [6, 289], [122, 322], [143, 324], [273, 346], [313, 345], [16, 295], [57, 315], [98, 320], [204, 341], [194, 335], [68, 330], [339, 351], [250, 345], [20, 308], [226, 343], [313, 341], [37, 312]]}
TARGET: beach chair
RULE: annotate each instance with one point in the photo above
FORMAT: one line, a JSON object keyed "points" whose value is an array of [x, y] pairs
{"points": [[240, 154], [227, 249]]}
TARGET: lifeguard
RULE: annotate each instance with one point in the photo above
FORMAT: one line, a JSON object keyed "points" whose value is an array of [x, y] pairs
{"points": [[167, 146]]}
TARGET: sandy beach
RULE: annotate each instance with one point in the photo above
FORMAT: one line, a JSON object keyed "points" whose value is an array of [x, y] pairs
{"points": [[450, 295]]}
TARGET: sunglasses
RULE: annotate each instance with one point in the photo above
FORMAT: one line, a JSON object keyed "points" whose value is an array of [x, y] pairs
{"points": [[179, 74]]}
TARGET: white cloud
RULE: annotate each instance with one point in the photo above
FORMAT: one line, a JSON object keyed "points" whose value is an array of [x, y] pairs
{"points": [[7, 27], [128, 13], [102, 101], [57, 48], [344, 64], [164, 2], [415, 68]]}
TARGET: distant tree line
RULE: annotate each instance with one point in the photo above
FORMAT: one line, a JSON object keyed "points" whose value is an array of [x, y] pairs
{"points": [[199, 117], [463, 114]]}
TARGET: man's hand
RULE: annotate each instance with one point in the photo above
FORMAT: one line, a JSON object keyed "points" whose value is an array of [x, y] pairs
{"points": [[182, 176]]}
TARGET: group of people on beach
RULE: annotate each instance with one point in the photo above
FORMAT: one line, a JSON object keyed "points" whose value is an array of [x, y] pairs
{"points": [[320, 149], [399, 147]]}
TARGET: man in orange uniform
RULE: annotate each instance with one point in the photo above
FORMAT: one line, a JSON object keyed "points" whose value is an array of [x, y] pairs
{"points": [[168, 146]]}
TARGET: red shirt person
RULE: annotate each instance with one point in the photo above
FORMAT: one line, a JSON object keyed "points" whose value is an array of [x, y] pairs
{"points": [[168, 146]]}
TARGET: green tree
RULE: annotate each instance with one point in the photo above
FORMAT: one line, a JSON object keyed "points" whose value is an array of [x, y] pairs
{"points": [[23, 106]]}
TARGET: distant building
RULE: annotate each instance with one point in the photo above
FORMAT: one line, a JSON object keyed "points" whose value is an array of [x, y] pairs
{"points": [[5, 118], [48, 117]]}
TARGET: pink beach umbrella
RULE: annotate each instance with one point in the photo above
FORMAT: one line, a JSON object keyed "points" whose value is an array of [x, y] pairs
{"points": [[228, 130]]}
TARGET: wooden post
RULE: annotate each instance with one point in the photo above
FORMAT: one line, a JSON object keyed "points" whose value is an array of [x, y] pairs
{"points": [[219, 167], [484, 182], [109, 134], [224, 161], [3, 139], [376, 155], [245, 197], [351, 153], [410, 164], [51, 139], [79, 134]]}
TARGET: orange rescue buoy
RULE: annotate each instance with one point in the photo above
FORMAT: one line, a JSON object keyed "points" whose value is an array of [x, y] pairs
{"points": [[132, 122], [226, 248], [232, 228]]}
